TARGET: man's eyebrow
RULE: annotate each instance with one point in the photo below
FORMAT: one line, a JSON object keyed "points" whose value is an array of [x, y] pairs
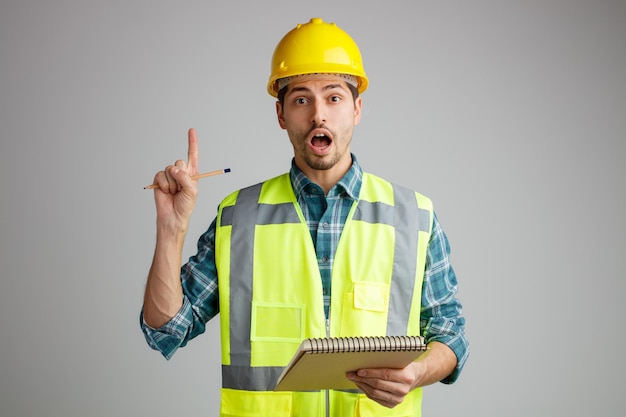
{"points": [[333, 86], [325, 88], [299, 89]]}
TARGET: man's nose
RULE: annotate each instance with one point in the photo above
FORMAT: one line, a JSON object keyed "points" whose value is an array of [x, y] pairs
{"points": [[319, 113]]}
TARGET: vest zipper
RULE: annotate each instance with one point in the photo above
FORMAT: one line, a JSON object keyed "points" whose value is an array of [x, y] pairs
{"points": [[328, 391]]}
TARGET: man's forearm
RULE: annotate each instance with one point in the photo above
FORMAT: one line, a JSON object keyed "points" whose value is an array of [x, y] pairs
{"points": [[436, 364], [163, 297]]}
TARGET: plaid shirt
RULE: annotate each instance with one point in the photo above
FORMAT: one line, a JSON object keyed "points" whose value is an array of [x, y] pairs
{"points": [[441, 318]]}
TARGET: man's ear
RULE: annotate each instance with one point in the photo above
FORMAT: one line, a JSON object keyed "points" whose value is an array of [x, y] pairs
{"points": [[280, 115], [358, 107]]}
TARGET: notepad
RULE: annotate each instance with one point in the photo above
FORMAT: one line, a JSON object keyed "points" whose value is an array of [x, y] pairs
{"points": [[322, 363]]}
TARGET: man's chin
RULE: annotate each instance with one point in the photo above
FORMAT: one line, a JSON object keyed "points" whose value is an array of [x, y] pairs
{"points": [[322, 163]]}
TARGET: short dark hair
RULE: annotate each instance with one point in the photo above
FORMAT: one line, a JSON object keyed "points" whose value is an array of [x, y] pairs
{"points": [[283, 91]]}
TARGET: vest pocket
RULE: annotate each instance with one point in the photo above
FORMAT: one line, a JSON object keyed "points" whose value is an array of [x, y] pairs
{"points": [[372, 296], [237, 403], [275, 333], [277, 322], [365, 309]]}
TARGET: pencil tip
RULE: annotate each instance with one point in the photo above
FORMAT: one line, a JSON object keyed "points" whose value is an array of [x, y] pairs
{"points": [[227, 170]]}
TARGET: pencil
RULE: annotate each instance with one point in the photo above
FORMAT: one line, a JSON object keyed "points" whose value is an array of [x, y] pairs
{"points": [[194, 177]]}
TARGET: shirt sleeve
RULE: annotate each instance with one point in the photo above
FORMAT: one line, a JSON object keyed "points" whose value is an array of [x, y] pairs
{"points": [[200, 300], [441, 312]]}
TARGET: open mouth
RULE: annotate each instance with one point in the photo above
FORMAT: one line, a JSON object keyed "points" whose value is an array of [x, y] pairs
{"points": [[320, 141]]}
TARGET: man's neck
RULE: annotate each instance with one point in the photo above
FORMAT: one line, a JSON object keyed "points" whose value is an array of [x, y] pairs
{"points": [[326, 178]]}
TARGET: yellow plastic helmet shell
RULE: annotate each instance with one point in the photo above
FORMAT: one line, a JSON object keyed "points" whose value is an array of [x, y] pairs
{"points": [[316, 47]]}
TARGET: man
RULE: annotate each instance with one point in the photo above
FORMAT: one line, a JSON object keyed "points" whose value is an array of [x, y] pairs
{"points": [[324, 250]]}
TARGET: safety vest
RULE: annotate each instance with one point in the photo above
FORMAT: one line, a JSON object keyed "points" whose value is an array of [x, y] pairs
{"points": [[270, 291]]}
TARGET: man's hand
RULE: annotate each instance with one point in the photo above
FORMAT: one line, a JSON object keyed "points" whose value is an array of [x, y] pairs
{"points": [[176, 194], [388, 387], [175, 199]]}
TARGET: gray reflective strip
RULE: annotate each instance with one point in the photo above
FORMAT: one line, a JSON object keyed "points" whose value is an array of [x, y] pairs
{"points": [[377, 212], [258, 378], [424, 220], [277, 214], [409, 216], [374, 212], [244, 216], [241, 252], [267, 214], [227, 216], [410, 219]]}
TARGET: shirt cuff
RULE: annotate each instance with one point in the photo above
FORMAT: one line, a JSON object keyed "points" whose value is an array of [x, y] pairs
{"points": [[169, 337], [450, 332]]}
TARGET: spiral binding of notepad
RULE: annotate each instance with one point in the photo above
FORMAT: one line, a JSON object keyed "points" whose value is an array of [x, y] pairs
{"points": [[367, 344]]}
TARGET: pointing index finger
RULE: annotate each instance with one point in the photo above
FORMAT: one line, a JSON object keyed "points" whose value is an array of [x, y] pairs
{"points": [[192, 152]]}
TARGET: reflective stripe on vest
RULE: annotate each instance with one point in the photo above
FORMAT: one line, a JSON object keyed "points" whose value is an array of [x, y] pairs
{"points": [[406, 242], [239, 374], [247, 213]]}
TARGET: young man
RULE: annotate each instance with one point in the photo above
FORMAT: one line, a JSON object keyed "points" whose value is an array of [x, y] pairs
{"points": [[324, 250]]}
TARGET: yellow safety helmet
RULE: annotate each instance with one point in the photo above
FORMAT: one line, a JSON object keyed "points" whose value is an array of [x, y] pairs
{"points": [[316, 47]]}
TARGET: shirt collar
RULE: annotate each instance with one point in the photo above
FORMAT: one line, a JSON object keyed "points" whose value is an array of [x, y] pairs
{"points": [[349, 184]]}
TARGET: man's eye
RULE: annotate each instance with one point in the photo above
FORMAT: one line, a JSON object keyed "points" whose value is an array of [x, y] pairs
{"points": [[300, 100], [335, 98]]}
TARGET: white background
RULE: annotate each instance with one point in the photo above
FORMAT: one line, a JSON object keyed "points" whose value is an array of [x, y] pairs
{"points": [[510, 115]]}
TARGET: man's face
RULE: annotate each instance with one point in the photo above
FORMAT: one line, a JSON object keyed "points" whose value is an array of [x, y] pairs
{"points": [[319, 114]]}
